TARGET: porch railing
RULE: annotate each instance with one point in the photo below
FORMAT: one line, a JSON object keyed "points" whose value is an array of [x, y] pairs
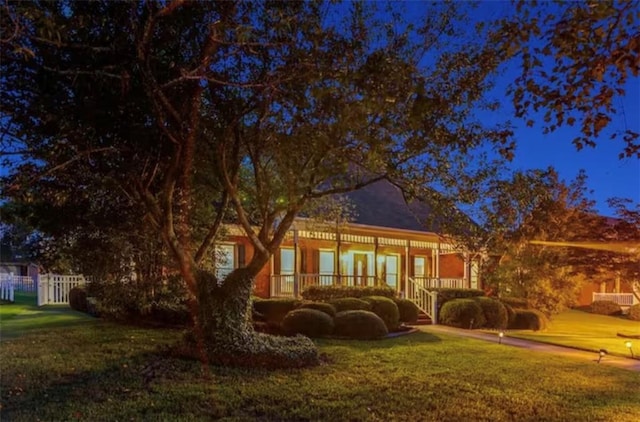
{"points": [[622, 299], [283, 285], [426, 300], [441, 283]]}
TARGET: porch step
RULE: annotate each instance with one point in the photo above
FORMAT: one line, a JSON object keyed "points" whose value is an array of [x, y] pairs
{"points": [[423, 319]]}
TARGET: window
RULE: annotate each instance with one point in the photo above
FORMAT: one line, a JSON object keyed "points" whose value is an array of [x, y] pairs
{"points": [[225, 260], [287, 261], [419, 266], [391, 271], [326, 267]]}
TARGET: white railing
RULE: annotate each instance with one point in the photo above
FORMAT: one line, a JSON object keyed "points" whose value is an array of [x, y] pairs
{"points": [[21, 283], [284, 285], [441, 283], [7, 290], [53, 289], [426, 300], [622, 299]]}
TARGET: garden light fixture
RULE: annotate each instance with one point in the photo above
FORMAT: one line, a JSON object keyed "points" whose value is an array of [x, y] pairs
{"points": [[500, 336], [629, 344], [601, 354]]}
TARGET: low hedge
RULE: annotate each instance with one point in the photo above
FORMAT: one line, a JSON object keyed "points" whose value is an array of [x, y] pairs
{"points": [[327, 293], [445, 295], [309, 322], [361, 325], [169, 314], [386, 309], [634, 312], [529, 319], [349, 304], [78, 299], [515, 302], [494, 312], [409, 311], [605, 307], [462, 313], [274, 310], [511, 314], [327, 308]]}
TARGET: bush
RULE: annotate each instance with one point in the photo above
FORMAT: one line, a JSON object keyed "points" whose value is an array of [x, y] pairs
{"points": [[327, 308], [168, 314], [515, 302], [327, 293], [445, 295], [350, 304], [495, 313], [386, 309], [274, 310], [634, 312], [605, 307], [78, 299], [309, 322], [361, 325], [529, 319], [511, 314], [409, 311], [462, 313]]}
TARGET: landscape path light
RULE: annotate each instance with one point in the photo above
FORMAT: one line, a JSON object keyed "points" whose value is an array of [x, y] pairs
{"points": [[629, 344], [500, 336], [601, 354]]}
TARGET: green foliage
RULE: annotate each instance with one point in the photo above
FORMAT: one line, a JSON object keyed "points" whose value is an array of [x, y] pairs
{"points": [[327, 293], [462, 313], [309, 322], [529, 319], [386, 309], [327, 308], [515, 302], [78, 299], [409, 311], [605, 307], [511, 313], [634, 312], [274, 310], [361, 325], [495, 313], [445, 295], [350, 304]]}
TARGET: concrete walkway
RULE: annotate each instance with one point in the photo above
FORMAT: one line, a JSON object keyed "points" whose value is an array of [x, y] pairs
{"points": [[620, 362]]}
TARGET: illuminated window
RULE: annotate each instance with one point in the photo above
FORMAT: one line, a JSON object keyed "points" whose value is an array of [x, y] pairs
{"points": [[287, 261], [419, 266], [326, 267], [225, 260]]}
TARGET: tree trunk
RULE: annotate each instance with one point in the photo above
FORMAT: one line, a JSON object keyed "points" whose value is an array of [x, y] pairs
{"points": [[226, 329]]}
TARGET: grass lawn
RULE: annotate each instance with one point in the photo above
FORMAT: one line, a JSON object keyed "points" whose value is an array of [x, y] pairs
{"points": [[24, 316], [584, 330], [101, 371]]}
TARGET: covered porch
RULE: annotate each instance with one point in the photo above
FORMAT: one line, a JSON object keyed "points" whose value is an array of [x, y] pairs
{"points": [[399, 260]]}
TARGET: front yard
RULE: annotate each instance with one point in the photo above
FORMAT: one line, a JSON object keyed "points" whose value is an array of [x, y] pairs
{"points": [[584, 330], [102, 371]]}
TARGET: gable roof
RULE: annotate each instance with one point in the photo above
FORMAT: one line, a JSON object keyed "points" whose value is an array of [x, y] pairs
{"points": [[382, 204]]}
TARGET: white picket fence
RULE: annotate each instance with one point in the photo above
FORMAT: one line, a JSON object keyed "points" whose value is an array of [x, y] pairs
{"points": [[7, 290], [53, 289]]}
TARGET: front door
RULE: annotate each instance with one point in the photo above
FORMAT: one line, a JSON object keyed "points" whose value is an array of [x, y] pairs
{"points": [[360, 269]]}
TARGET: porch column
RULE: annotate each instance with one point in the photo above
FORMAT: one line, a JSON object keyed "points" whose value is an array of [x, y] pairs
{"points": [[438, 264], [296, 265], [406, 269], [467, 270], [338, 259], [375, 262]]}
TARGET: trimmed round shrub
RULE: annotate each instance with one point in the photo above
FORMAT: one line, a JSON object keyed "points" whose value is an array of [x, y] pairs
{"points": [[515, 302], [361, 325], [78, 299], [605, 307], [274, 310], [309, 322], [634, 312], [327, 308], [529, 319], [409, 311], [495, 313], [462, 313], [445, 295], [350, 304], [511, 314], [386, 309]]}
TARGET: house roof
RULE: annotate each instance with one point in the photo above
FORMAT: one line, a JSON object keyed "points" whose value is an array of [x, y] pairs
{"points": [[382, 204]]}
